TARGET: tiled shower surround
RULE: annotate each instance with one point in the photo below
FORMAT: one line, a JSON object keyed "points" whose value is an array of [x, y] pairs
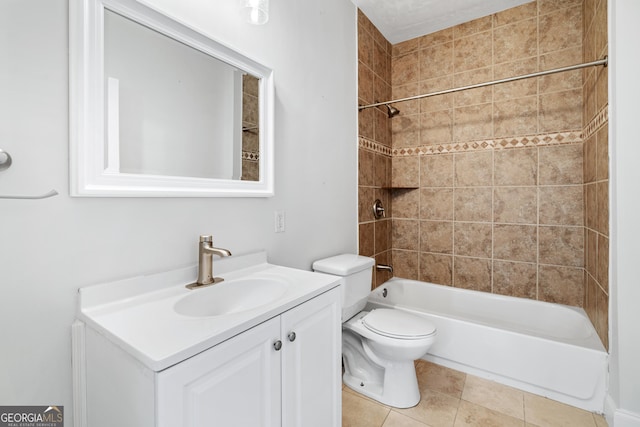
{"points": [[501, 189]]}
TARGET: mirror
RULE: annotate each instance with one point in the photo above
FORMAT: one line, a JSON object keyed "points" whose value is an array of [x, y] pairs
{"points": [[158, 109]]}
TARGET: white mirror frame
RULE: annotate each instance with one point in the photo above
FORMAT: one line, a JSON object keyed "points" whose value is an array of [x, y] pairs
{"points": [[88, 176]]}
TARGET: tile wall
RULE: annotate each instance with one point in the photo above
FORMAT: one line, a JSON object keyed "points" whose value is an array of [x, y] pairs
{"points": [[596, 168], [374, 155], [495, 189]]}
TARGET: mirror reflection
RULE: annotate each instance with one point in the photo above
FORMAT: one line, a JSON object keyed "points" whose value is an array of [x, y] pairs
{"points": [[172, 110]]}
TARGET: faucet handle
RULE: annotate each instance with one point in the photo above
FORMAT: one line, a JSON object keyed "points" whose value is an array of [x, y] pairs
{"points": [[206, 238]]}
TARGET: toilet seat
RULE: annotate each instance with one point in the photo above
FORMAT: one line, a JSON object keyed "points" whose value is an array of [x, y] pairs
{"points": [[398, 324]]}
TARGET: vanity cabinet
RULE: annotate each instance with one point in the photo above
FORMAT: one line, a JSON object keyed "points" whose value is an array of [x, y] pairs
{"points": [[284, 371]]}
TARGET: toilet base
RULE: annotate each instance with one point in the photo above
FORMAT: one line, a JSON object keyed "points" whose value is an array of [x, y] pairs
{"points": [[394, 384]]}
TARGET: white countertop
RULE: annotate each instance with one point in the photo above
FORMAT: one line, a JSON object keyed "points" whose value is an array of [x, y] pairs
{"points": [[137, 314]]}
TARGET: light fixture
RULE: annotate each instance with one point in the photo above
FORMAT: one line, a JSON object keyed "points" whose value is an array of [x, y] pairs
{"points": [[256, 11]]}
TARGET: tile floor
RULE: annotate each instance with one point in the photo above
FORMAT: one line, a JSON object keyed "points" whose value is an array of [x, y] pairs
{"points": [[454, 399]]}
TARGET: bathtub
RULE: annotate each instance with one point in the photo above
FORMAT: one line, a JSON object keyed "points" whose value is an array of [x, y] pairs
{"points": [[543, 348]]}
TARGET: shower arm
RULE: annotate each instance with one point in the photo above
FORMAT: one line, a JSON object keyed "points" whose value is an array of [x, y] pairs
{"points": [[599, 62]]}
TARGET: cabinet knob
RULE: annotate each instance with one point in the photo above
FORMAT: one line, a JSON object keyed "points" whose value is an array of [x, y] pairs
{"points": [[277, 345], [292, 336]]}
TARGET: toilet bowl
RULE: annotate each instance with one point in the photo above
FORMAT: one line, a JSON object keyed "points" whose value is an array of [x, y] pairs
{"points": [[379, 347]]}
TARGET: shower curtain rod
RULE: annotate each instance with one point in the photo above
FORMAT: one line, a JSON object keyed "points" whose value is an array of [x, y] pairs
{"points": [[603, 61]]}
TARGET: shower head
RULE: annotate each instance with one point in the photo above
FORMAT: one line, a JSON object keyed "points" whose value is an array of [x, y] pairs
{"points": [[392, 111]]}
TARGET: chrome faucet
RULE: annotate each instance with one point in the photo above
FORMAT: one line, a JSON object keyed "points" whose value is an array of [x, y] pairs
{"points": [[384, 267], [205, 263]]}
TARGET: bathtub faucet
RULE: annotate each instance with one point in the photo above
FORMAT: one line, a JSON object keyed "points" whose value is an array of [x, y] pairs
{"points": [[384, 267]]}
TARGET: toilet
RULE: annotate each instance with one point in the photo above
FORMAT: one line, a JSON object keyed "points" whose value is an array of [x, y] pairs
{"points": [[379, 346]]}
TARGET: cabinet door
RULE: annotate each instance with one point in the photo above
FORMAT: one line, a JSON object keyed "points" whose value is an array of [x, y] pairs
{"points": [[236, 383], [311, 363]]}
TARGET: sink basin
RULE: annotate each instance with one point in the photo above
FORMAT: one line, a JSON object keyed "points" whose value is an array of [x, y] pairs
{"points": [[234, 296]]}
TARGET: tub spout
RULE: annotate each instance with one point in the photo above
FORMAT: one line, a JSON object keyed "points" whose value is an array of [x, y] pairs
{"points": [[384, 267]]}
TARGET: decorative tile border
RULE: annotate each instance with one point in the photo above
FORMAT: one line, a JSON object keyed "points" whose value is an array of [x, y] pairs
{"points": [[573, 137], [598, 121], [376, 147], [250, 155]]}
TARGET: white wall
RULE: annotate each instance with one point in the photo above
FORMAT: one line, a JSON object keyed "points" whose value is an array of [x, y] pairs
{"points": [[624, 393], [50, 248]]}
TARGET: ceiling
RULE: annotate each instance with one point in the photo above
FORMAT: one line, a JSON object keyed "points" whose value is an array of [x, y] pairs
{"points": [[400, 20]]}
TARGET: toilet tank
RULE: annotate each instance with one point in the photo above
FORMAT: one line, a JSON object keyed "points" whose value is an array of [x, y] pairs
{"points": [[355, 286]]}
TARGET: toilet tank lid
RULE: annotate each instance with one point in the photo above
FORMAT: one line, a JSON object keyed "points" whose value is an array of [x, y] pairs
{"points": [[343, 265]]}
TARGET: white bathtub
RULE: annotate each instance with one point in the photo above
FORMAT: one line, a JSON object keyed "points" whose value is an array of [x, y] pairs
{"points": [[547, 349]]}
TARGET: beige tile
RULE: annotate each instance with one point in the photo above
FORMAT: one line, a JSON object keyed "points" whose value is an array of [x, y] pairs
{"points": [[473, 204], [365, 239], [472, 239], [359, 412], [365, 203], [515, 14], [472, 123], [395, 419], [436, 268], [602, 317], [435, 103], [561, 164], [470, 414], [365, 167], [405, 171], [473, 169], [515, 205], [436, 203], [436, 171], [405, 69], [602, 196], [381, 170], [405, 129], [589, 160], [561, 245], [516, 279], [436, 236], [405, 204], [436, 61], [382, 233], [405, 264], [602, 264], [472, 273], [560, 29], [440, 378], [591, 209], [515, 117], [602, 153], [405, 234], [436, 127], [434, 409], [515, 242], [438, 37], [515, 41], [471, 27], [473, 96], [516, 167], [545, 412], [560, 111], [561, 81], [561, 205], [517, 89], [494, 396], [562, 285]]}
